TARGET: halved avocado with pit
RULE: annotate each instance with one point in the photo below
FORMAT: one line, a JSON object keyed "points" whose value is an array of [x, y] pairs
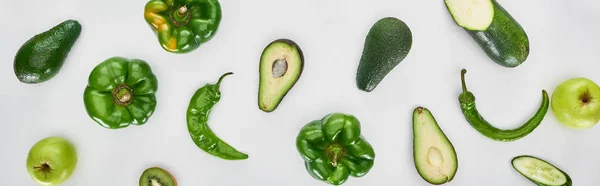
{"points": [[281, 65]]}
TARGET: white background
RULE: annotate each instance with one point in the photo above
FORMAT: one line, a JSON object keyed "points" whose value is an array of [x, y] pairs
{"points": [[564, 44]]}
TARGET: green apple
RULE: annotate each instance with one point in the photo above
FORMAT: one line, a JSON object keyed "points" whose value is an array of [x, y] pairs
{"points": [[576, 103], [51, 161]]}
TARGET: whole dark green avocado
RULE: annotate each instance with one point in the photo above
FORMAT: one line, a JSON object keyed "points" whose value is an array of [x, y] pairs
{"points": [[386, 45], [42, 56]]}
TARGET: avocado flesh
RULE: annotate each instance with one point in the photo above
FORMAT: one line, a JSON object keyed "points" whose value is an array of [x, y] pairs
{"points": [[41, 57], [434, 155], [281, 65], [386, 45]]}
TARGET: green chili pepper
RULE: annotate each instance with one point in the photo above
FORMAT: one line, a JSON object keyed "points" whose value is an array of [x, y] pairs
{"points": [[467, 104], [121, 92], [333, 149], [197, 122], [183, 25]]}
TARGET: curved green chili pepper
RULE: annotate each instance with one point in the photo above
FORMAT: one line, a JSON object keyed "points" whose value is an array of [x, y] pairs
{"points": [[197, 122], [467, 104]]}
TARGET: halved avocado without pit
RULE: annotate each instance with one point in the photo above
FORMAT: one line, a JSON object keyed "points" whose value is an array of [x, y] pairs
{"points": [[281, 65], [434, 155]]}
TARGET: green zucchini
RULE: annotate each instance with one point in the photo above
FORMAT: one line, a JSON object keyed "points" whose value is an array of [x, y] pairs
{"points": [[540, 172], [504, 40], [471, 14]]}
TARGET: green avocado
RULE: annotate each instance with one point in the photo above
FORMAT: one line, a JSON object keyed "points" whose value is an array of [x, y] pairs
{"points": [[434, 155], [41, 57], [387, 44], [281, 65]]}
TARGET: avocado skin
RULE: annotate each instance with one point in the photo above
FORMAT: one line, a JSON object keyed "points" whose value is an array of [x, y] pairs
{"points": [[386, 45], [283, 94], [41, 57]]}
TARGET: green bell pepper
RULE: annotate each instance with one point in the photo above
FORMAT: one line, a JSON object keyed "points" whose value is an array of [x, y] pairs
{"points": [[121, 92], [333, 149], [183, 25]]}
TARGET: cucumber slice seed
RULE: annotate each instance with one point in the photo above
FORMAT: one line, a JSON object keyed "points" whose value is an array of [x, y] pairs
{"points": [[540, 171], [471, 14]]}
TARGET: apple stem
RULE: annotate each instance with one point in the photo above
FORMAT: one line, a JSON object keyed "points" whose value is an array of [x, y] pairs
{"points": [[45, 168], [585, 97], [462, 78]]}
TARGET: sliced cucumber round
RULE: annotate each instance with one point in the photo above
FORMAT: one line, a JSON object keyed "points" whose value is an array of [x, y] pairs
{"points": [[540, 172], [471, 14]]}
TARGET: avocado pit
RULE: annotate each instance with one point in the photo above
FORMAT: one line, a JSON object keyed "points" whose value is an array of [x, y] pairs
{"points": [[280, 67]]}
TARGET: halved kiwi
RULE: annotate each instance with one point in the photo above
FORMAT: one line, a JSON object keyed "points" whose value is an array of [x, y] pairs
{"points": [[156, 176]]}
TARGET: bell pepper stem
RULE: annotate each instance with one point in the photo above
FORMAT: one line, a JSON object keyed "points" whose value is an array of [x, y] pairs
{"points": [[335, 151], [182, 10], [123, 95], [223, 77], [462, 78], [180, 16]]}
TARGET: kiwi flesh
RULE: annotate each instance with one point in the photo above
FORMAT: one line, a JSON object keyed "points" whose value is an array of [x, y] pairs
{"points": [[156, 176]]}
